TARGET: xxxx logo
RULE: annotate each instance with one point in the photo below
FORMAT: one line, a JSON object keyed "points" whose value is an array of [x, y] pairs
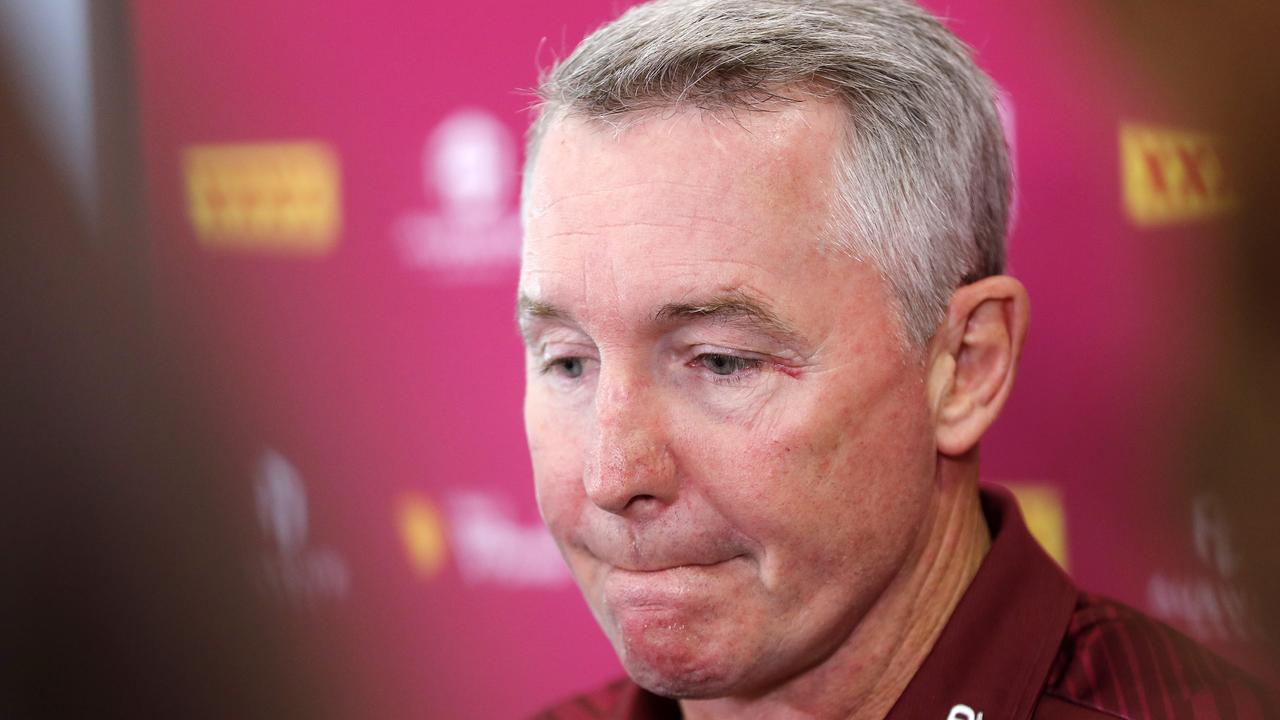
{"points": [[1172, 176], [270, 197], [1045, 514]]}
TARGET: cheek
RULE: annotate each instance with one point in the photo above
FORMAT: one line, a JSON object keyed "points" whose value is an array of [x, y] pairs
{"points": [[824, 479], [555, 450]]}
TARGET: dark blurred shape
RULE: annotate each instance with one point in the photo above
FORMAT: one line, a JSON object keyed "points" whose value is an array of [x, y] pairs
{"points": [[1219, 61], [126, 568]]}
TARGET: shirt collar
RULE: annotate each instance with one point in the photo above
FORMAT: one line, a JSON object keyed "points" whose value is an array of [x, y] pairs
{"points": [[996, 650]]}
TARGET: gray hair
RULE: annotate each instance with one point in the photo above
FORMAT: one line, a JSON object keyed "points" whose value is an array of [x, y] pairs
{"points": [[923, 176]]}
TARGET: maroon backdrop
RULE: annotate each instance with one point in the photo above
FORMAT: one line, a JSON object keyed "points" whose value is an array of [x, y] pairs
{"points": [[332, 193]]}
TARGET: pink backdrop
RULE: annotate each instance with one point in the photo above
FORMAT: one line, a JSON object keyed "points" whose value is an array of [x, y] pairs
{"points": [[354, 301]]}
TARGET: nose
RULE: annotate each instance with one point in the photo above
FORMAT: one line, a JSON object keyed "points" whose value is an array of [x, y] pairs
{"points": [[629, 469]]}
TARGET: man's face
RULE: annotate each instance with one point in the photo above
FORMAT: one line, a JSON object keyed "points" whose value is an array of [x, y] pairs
{"points": [[730, 446]]}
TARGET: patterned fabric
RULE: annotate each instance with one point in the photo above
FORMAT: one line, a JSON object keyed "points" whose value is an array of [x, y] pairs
{"points": [[1025, 644], [619, 700], [1117, 661]]}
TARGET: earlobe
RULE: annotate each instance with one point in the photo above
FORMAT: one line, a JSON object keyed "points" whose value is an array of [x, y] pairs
{"points": [[978, 348]]}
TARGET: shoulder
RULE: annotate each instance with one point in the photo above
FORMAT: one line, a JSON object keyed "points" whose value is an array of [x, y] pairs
{"points": [[619, 700], [1116, 662]]}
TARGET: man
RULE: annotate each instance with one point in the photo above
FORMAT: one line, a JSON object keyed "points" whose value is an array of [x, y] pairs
{"points": [[766, 323]]}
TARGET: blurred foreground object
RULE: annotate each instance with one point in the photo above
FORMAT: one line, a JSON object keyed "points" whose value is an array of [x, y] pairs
{"points": [[126, 591], [1218, 61]]}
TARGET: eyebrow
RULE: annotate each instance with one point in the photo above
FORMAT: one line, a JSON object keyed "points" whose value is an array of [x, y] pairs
{"points": [[528, 310], [734, 307]]}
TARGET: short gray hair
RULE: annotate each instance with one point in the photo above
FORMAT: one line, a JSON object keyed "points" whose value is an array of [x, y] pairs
{"points": [[924, 181]]}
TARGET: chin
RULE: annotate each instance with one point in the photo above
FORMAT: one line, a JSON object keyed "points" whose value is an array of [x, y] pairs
{"points": [[694, 671], [689, 685]]}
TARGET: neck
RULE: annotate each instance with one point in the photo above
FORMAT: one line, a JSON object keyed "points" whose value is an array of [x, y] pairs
{"points": [[865, 676]]}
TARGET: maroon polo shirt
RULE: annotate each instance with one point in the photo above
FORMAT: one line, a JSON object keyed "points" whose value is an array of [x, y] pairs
{"points": [[1025, 644]]}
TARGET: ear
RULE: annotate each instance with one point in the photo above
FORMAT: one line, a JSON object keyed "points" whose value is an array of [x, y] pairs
{"points": [[973, 357]]}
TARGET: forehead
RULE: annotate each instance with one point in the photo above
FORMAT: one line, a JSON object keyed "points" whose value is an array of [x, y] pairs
{"points": [[679, 196], [782, 150]]}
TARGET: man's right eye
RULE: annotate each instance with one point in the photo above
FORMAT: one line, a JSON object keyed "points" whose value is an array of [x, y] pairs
{"points": [[570, 367]]}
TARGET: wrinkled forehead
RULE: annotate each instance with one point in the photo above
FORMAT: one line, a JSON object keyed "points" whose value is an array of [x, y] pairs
{"points": [[681, 205], [776, 155]]}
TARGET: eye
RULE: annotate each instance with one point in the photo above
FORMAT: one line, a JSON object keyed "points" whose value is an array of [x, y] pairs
{"points": [[726, 365], [570, 367]]}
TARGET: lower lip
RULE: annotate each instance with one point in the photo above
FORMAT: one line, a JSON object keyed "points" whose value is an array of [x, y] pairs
{"points": [[654, 612], [666, 589]]}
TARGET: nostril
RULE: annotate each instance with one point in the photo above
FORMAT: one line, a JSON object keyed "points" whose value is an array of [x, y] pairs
{"points": [[641, 500], [628, 468]]}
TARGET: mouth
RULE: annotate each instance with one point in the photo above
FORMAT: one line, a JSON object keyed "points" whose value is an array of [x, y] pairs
{"points": [[667, 584], [646, 555], [654, 604], [650, 568]]}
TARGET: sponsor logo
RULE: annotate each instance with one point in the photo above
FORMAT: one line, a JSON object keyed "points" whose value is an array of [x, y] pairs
{"points": [[472, 228], [492, 546], [1008, 118], [487, 543], [264, 197], [963, 712], [1009, 121], [423, 534], [1211, 534], [1172, 176], [1206, 603], [292, 570], [1042, 508]]}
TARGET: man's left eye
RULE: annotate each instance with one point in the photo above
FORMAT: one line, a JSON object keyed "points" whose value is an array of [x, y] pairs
{"points": [[726, 364]]}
